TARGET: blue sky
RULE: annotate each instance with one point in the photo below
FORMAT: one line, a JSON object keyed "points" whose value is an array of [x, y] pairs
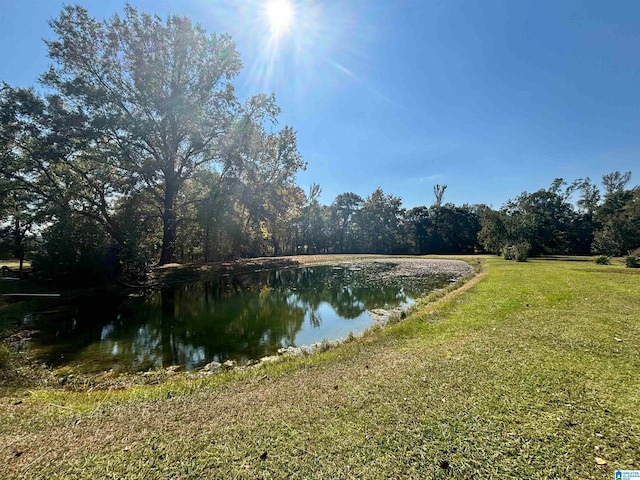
{"points": [[491, 98]]}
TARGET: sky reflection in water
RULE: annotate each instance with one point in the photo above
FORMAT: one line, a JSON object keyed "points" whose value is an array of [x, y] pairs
{"points": [[239, 317]]}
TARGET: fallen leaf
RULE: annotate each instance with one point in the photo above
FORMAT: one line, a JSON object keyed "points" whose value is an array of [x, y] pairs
{"points": [[444, 465], [617, 339], [263, 457], [601, 461]]}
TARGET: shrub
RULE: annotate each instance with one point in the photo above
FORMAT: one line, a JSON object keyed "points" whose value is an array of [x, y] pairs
{"points": [[603, 260], [632, 261], [518, 252]]}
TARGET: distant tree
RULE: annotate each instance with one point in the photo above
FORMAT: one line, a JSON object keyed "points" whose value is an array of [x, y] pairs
{"points": [[311, 221], [494, 232], [589, 196], [615, 182], [542, 219], [18, 218], [380, 220], [419, 229], [560, 187], [278, 162], [618, 222], [344, 210], [436, 236], [458, 228], [438, 194], [76, 250]]}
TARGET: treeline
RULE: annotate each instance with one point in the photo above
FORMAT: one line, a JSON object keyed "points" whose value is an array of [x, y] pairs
{"points": [[139, 153], [578, 218]]}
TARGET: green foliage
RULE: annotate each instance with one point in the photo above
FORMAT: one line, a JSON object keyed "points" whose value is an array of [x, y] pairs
{"points": [[619, 223], [458, 229], [379, 223], [345, 213], [632, 261], [518, 252], [493, 233], [615, 182], [603, 260], [543, 219], [75, 250]]}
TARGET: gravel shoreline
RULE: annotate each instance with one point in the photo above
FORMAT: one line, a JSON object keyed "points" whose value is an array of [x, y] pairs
{"points": [[418, 267]]}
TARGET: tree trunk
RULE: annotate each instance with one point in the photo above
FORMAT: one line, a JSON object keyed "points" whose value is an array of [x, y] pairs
{"points": [[170, 223], [168, 238], [21, 265], [18, 248], [207, 236]]}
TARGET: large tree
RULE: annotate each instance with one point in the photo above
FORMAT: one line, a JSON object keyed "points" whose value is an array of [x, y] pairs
{"points": [[156, 96]]}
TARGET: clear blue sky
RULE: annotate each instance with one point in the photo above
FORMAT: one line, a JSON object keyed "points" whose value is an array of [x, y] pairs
{"points": [[490, 97]]}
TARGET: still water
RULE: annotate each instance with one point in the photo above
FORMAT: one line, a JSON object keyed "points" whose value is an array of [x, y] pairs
{"points": [[237, 318]]}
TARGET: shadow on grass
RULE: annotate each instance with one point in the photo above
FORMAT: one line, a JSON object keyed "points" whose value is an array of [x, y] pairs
{"points": [[564, 258]]}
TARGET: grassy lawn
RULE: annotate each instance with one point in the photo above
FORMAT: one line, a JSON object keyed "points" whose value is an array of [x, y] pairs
{"points": [[532, 371]]}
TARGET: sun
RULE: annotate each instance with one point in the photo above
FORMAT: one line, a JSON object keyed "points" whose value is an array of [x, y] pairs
{"points": [[280, 15]]}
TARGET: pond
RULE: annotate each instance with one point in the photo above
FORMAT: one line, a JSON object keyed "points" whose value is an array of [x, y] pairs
{"points": [[237, 317]]}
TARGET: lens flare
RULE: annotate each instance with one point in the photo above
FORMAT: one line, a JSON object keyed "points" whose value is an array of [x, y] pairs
{"points": [[280, 14]]}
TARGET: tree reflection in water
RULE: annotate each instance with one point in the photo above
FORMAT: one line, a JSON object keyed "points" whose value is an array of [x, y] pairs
{"points": [[235, 317]]}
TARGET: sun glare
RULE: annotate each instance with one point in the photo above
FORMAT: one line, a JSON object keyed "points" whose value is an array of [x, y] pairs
{"points": [[280, 15]]}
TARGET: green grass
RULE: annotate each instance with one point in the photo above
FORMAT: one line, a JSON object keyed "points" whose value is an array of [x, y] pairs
{"points": [[531, 372]]}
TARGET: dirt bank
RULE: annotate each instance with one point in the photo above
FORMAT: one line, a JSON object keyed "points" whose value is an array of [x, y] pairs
{"points": [[405, 266]]}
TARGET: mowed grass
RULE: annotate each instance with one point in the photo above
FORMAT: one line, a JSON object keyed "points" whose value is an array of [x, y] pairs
{"points": [[532, 371]]}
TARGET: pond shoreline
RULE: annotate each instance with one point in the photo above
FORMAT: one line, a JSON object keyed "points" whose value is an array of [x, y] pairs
{"points": [[29, 372]]}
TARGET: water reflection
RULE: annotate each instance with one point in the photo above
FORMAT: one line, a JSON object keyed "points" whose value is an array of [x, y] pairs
{"points": [[236, 317]]}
